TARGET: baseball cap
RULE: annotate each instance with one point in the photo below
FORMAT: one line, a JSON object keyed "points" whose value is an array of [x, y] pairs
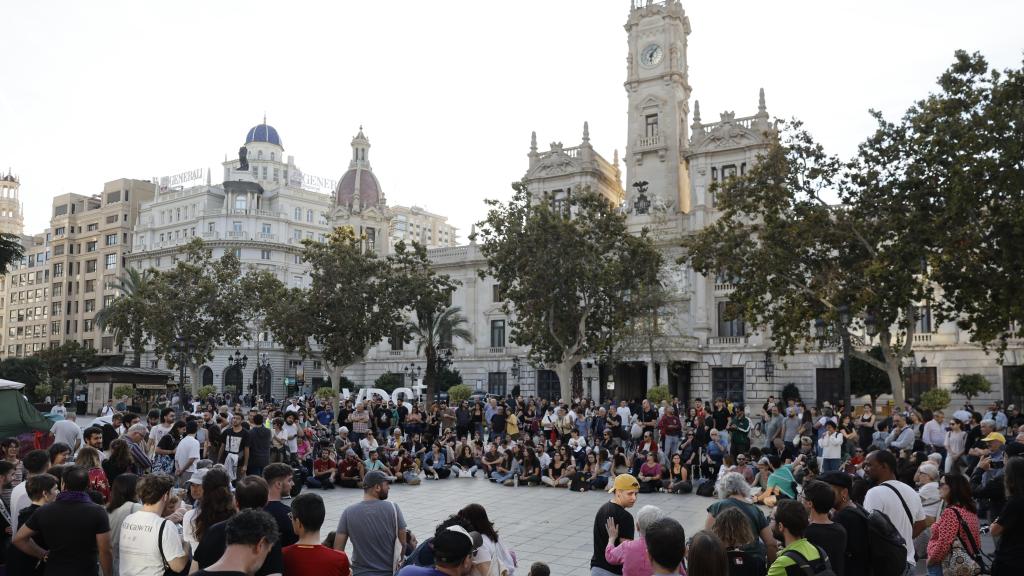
{"points": [[453, 544], [624, 482], [994, 436], [374, 478], [197, 476], [343, 429], [836, 478]]}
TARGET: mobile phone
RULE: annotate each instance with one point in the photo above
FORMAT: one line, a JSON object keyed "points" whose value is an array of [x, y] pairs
{"points": [[998, 464]]}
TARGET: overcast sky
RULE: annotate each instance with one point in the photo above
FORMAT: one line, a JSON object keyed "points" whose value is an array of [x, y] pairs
{"points": [[448, 92]]}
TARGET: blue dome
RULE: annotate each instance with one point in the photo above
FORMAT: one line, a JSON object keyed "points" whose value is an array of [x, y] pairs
{"points": [[263, 133]]}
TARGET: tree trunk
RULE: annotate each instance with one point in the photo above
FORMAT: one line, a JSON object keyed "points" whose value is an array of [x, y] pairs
{"points": [[430, 376], [193, 371], [137, 357], [335, 374], [564, 372], [892, 368]]}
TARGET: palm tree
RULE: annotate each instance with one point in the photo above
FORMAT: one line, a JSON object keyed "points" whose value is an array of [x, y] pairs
{"points": [[435, 331], [126, 314]]}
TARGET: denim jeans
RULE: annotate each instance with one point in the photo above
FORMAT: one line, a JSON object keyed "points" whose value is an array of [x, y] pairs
{"points": [[598, 571], [671, 445], [500, 477], [830, 464], [935, 570]]}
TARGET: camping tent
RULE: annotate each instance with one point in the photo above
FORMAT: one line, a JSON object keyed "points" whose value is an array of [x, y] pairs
{"points": [[17, 416]]}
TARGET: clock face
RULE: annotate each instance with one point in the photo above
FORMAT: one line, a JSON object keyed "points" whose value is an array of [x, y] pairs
{"points": [[652, 55]]}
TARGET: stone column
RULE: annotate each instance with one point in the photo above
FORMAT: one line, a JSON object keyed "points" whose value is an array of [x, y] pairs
{"points": [[651, 381]]}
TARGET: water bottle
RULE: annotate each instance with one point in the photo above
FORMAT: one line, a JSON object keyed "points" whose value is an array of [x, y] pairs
{"points": [[515, 481]]}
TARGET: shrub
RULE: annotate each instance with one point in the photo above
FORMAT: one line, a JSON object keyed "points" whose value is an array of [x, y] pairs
{"points": [[935, 399], [205, 392], [388, 382], [658, 393], [123, 391], [326, 393], [790, 391], [971, 385], [458, 393], [42, 390]]}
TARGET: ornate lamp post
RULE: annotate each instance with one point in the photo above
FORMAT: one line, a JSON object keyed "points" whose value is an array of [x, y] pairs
{"points": [[183, 350], [239, 361], [515, 370], [262, 367], [70, 368]]}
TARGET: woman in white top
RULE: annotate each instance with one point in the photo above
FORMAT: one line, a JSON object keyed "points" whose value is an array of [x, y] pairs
{"points": [[492, 558], [955, 442], [122, 503], [831, 444]]}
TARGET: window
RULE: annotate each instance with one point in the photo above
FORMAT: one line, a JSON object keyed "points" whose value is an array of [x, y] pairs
{"points": [[264, 254], [108, 300], [87, 326], [55, 328], [298, 213], [496, 294], [238, 253], [264, 172], [58, 270], [651, 125], [277, 174], [55, 309], [727, 383], [59, 231], [111, 239], [497, 383], [397, 338], [728, 323], [236, 226], [110, 261], [239, 202], [371, 239], [211, 227], [58, 250], [90, 305], [90, 285], [297, 234], [924, 319], [91, 227], [497, 333], [58, 290], [266, 228], [90, 266], [309, 215], [90, 246]]}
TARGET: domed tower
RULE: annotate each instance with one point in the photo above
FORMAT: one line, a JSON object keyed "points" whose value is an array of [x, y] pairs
{"points": [[359, 201], [264, 158], [11, 219]]}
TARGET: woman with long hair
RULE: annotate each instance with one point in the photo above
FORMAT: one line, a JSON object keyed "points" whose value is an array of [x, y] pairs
{"points": [[122, 503], [163, 461], [955, 444], [9, 452], [119, 462], [706, 556], [678, 480], [866, 426], [1009, 527], [493, 549], [98, 482], [215, 506], [733, 529], [958, 522]]}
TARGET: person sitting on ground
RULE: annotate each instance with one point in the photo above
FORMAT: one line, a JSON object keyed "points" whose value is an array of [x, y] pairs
{"points": [[250, 537], [632, 554], [454, 549], [435, 463], [375, 464], [308, 555], [324, 469], [650, 474], [350, 471], [666, 546], [818, 499], [791, 522], [492, 556]]}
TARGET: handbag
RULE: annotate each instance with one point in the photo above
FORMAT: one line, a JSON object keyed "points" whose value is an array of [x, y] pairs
{"points": [[398, 556], [959, 561]]}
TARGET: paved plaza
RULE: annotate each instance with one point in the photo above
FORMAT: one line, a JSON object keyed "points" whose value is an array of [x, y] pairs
{"points": [[545, 524]]}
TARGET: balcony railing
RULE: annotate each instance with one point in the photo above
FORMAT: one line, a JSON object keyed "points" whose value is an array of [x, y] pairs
{"points": [[648, 142], [496, 350], [727, 340], [724, 287]]}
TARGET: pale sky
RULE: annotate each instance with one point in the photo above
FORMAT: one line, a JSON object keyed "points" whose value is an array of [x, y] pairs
{"points": [[447, 92]]}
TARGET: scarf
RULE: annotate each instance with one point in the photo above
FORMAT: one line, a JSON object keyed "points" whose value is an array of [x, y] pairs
{"points": [[80, 497]]}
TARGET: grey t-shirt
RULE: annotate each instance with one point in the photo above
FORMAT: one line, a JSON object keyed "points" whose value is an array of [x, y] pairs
{"points": [[789, 428], [772, 428], [370, 525]]}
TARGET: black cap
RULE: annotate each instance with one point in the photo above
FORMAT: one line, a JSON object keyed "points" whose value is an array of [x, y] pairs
{"points": [[374, 478], [453, 544], [836, 478]]}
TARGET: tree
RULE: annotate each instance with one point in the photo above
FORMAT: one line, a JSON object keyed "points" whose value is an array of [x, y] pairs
{"points": [[447, 378], [388, 381], [954, 162], [125, 317], [459, 393], [866, 379], [435, 331], [935, 399], [11, 251], [428, 295], [196, 306], [65, 363], [971, 385], [573, 301], [353, 301], [30, 371]]}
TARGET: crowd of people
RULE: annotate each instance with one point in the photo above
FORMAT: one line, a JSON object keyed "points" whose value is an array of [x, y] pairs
{"points": [[216, 489]]}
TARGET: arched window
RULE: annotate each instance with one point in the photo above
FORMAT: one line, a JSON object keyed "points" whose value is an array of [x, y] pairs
{"points": [[272, 156], [259, 155]]}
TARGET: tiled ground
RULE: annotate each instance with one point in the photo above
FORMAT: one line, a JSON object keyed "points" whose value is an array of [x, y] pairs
{"points": [[552, 525]]}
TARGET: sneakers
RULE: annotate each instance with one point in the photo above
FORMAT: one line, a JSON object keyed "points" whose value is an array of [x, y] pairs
{"points": [[507, 482]]}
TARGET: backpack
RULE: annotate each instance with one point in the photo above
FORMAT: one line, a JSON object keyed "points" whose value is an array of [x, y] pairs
{"points": [[819, 567], [887, 549], [706, 488]]}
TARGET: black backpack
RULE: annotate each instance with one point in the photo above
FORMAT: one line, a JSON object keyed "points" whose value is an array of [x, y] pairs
{"points": [[707, 488], [886, 547], [819, 567]]}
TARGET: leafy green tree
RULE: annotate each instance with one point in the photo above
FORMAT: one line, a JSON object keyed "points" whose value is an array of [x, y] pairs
{"points": [[866, 378], [29, 370], [64, 364], [935, 399], [290, 319], [971, 385], [953, 164], [196, 306], [447, 378], [568, 273], [11, 251], [388, 381], [458, 393], [125, 317], [123, 391], [435, 331]]}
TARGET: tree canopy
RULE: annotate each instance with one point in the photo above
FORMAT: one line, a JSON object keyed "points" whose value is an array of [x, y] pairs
{"points": [[568, 272]]}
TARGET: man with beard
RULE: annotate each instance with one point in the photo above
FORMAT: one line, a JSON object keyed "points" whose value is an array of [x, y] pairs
{"points": [[799, 556], [371, 524]]}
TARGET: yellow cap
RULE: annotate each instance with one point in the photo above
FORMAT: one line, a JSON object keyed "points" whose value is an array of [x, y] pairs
{"points": [[994, 436], [625, 482]]}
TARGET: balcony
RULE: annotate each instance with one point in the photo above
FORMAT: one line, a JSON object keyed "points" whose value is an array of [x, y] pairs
{"points": [[724, 287], [497, 350], [937, 339], [649, 142], [727, 341], [237, 235]]}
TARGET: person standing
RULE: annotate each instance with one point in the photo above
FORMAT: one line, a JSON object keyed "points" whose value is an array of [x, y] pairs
{"points": [[373, 525], [848, 515], [624, 490], [1009, 526], [280, 480], [899, 502], [260, 440], [831, 444], [236, 448], [789, 525], [250, 537], [67, 432], [187, 453], [671, 430], [35, 463], [831, 537], [739, 432], [307, 555], [76, 530], [146, 542], [166, 422]]}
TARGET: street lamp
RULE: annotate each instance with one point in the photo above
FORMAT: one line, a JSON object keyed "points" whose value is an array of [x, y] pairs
{"points": [[183, 349], [262, 367], [871, 324], [70, 367], [413, 371], [239, 360], [843, 323], [515, 368]]}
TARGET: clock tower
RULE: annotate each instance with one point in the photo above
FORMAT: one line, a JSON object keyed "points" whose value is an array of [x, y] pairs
{"points": [[659, 91]]}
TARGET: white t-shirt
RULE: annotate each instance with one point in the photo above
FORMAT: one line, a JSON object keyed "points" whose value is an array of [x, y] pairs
{"points": [[292, 430], [885, 501], [67, 432], [188, 447], [158, 432], [490, 550], [19, 501], [188, 528], [624, 413], [139, 551]]}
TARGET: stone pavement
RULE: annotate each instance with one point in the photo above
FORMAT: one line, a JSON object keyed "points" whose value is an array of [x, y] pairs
{"points": [[545, 524]]}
